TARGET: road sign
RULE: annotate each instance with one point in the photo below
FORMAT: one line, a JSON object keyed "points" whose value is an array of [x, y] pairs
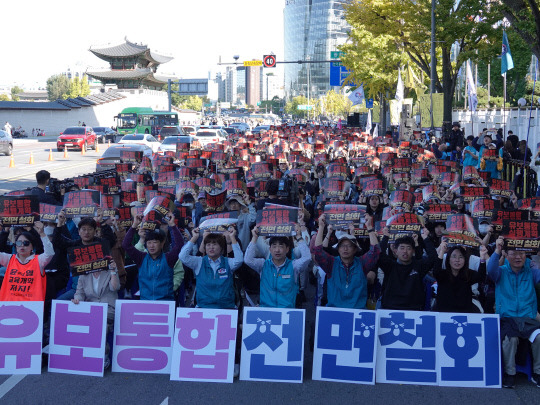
{"points": [[253, 63], [305, 107], [336, 54], [338, 74], [269, 61], [369, 103]]}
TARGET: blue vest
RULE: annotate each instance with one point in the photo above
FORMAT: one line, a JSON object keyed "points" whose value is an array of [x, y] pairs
{"points": [[278, 289], [347, 290], [215, 290], [156, 279], [515, 295]]}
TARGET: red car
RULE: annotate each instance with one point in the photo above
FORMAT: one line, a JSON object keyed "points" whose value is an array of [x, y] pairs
{"points": [[76, 137]]}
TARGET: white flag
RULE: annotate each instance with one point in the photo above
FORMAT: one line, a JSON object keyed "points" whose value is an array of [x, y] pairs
{"points": [[471, 92], [400, 91], [357, 96], [376, 130], [368, 122]]}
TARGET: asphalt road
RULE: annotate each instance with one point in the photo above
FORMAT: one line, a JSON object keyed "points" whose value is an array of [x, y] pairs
{"points": [[23, 174]]}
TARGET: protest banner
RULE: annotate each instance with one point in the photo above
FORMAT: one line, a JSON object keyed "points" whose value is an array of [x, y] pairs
{"points": [[470, 173], [131, 156], [235, 187], [335, 170], [430, 193], [521, 235], [124, 217], [462, 223], [19, 210], [490, 154], [401, 165], [482, 208], [82, 203], [277, 221], [188, 187], [333, 188], [204, 345], [500, 215], [501, 188], [402, 199], [109, 204], [216, 202], [341, 215], [261, 170], [21, 334], [143, 333], [48, 212], [438, 212], [205, 184], [217, 225], [128, 197], [472, 193], [86, 259], [77, 340], [282, 331], [340, 354], [404, 224]]}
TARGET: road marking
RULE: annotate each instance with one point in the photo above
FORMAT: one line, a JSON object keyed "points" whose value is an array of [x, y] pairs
{"points": [[34, 167], [10, 383], [165, 401]]}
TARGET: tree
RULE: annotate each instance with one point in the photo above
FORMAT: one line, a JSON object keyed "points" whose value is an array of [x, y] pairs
{"points": [[390, 33], [74, 88], [15, 90], [85, 87], [57, 87], [524, 16], [193, 103], [4, 97]]}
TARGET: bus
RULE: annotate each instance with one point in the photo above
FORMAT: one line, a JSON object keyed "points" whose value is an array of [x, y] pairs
{"points": [[144, 120]]}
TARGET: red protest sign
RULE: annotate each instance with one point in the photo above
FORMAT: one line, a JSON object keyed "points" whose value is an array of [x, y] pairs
{"points": [[131, 156], [483, 207], [462, 223], [261, 171], [404, 223], [501, 187], [341, 215], [277, 221], [235, 187], [205, 184], [216, 202], [90, 258], [472, 193], [48, 212], [521, 235], [19, 210], [109, 204], [438, 212], [403, 199], [81, 203], [335, 170]]}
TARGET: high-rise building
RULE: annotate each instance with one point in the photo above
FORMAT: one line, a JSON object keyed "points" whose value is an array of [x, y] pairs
{"points": [[253, 85], [313, 29]]}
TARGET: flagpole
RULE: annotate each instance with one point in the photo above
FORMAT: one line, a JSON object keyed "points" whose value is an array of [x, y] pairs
{"points": [[504, 106], [530, 114]]}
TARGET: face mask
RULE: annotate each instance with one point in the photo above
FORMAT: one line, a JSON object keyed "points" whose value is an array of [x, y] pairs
{"points": [[48, 230], [483, 228]]}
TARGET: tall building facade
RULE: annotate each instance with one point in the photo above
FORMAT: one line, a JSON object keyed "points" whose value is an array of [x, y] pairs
{"points": [[313, 29]]}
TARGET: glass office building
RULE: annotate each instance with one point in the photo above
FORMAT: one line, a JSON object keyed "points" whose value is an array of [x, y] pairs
{"points": [[313, 28]]}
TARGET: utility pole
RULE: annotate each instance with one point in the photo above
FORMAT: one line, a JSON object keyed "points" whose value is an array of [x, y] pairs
{"points": [[433, 63]]}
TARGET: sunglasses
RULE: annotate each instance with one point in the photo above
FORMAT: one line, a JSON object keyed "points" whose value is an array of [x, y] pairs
{"points": [[21, 243]]}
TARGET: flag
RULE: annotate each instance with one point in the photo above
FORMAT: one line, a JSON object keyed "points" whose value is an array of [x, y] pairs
{"points": [[506, 56], [471, 92], [409, 77], [376, 130], [400, 91], [357, 96], [368, 122]]}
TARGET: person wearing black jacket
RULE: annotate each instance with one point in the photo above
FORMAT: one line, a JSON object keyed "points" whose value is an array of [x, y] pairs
{"points": [[43, 178], [403, 284], [456, 140]]}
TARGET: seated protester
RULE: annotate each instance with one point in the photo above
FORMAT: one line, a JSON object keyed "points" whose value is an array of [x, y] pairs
{"points": [[87, 230], [516, 303], [247, 215], [454, 281], [25, 271], [214, 271], [347, 274], [178, 269], [279, 274], [100, 286], [155, 267], [403, 285]]}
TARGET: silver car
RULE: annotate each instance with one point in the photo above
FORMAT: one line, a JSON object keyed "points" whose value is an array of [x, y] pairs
{"points": [[6, 143]]}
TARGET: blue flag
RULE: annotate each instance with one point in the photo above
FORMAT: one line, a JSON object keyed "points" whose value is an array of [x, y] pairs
{"points": [[506, 56]]}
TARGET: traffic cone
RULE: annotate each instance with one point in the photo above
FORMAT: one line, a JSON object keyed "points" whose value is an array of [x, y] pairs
{"points": [[159, 137], [83, 151], [50, 156], [109, 144], [11, 162], [97, 147], [66, 154], [31, 162]]}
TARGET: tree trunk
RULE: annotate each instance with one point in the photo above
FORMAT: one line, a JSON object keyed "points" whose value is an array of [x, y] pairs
{"points": [[449, 87]]}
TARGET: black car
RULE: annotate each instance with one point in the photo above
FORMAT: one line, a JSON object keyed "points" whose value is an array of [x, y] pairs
{"points": [[105, 134], [112, 155]]}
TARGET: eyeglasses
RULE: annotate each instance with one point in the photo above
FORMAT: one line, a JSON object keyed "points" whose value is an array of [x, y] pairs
{"points": [[21, 243]]}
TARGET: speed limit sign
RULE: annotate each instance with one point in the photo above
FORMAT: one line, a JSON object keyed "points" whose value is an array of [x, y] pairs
{"points": [[269, 61]]}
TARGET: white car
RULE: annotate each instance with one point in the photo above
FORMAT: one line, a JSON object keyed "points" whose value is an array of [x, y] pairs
{"points": [[141, 139], [206, 136], [169, 143]]}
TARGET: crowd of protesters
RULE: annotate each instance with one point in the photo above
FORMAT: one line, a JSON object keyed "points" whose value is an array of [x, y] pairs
{"points": [[368, 263]]}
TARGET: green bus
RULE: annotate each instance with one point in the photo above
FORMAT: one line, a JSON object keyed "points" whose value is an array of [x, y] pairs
{"points": [[144, 120]]}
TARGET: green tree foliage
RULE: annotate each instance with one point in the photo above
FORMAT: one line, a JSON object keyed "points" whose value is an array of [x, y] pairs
{"points": [[387, 33], [292, 106], [15, 90], [58, 86], [85, 87], [193, 103], [4, 97], [74, 88], [524, 16]]}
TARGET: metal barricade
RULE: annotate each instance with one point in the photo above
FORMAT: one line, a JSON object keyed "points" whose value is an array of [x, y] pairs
{"points": [[524, 179]]}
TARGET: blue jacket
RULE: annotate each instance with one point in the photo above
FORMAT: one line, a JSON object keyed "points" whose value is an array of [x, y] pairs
{"points": [[215, 290], [156, 279], [347, 289], [278, 289], [515, 295], [468, 160]]}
